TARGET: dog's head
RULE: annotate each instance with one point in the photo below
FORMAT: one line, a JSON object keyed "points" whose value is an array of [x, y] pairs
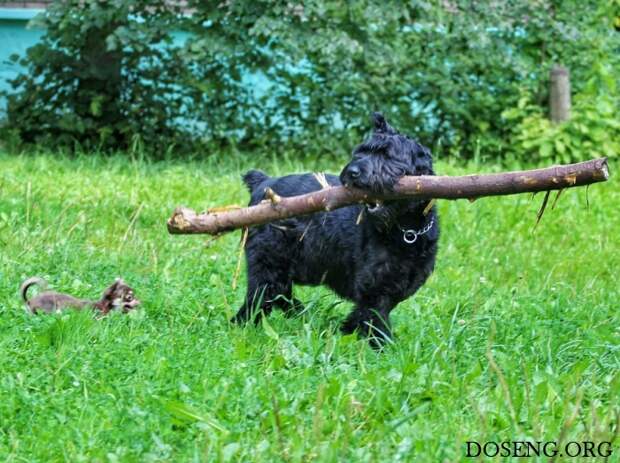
{"points": [[119, 296], [384, 158]]}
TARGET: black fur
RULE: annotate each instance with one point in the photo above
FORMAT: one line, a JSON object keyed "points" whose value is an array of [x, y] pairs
{"points": [[253, 178], [368, 262]]}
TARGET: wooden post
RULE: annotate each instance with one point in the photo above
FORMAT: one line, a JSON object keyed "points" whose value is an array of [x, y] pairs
{"points": [[559, 95]]}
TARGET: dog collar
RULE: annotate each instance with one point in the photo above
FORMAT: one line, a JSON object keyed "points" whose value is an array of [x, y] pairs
{"points": [[410, 235]]}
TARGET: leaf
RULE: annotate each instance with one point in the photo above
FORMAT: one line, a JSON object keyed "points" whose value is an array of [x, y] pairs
{"points": [[229, 451], [545, 150], [417, 411], [511, 114], [269, 331], [95, 106], [111, 42], [187, 414]]}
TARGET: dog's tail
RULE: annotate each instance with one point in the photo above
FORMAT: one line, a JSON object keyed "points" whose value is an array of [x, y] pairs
{"points": [[253, 178], [23, 289]]}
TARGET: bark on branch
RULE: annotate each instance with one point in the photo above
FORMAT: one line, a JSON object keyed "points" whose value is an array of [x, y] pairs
{"points": [[187, 221]]}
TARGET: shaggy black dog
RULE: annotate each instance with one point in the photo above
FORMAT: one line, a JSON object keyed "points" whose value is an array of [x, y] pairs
{"points": [[375, 256]]}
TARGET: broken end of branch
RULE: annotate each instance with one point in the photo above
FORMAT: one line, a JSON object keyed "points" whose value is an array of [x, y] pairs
{"points": [[604, 168], [180, 221]]}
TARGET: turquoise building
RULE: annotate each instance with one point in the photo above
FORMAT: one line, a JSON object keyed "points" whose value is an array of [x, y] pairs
{"points": [[15, 37]]}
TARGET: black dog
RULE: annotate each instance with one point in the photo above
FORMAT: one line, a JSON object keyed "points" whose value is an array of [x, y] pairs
{"points": [[374, 256]]}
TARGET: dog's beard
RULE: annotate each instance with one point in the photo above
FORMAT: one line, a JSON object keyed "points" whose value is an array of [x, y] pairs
{"points": [[384, 215]]}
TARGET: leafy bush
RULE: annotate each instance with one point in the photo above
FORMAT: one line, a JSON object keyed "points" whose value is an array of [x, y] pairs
{"points": [[306, 75], [445, 73], [593, 129], [100, 76]]}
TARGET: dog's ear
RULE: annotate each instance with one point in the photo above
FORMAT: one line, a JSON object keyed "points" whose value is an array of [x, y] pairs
{"points": [[424, 150], [378, 121], [108, 294], [381, 125]]}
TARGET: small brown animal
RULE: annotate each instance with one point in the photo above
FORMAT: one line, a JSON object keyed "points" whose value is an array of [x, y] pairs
{"points": [[119, 296]]}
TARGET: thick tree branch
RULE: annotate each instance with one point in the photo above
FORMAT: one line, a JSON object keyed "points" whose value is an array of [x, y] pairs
{"points": [[186, 221]]}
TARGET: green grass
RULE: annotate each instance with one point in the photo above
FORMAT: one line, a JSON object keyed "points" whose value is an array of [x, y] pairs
{"points": [[516, 336]]}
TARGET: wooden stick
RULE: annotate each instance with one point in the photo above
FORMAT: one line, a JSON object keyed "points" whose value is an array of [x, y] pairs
{"points": [[187, 221]]}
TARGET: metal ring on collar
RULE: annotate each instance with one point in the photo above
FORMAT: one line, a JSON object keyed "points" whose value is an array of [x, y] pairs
{"points": [[410, 236]]}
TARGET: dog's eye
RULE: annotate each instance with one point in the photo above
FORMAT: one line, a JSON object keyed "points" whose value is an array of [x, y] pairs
{"points": [[129, 298]]}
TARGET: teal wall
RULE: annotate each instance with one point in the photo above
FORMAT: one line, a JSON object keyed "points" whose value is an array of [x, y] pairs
{"points": [[15, 37]]}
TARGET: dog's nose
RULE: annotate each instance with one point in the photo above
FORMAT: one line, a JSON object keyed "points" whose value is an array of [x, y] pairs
{"points": [[353, 171]]}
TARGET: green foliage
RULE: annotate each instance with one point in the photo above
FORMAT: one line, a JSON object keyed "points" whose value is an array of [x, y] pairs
{"points": [[444, 72], [593, 129], [100, 76], [176, 382], [306, 75]]}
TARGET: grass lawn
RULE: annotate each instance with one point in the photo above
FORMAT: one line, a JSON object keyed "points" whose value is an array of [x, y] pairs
{"points": [[516, 336]]}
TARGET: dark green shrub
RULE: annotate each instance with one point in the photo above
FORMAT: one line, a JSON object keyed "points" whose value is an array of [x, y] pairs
{"points": [[306, 75], [101, 76], [592, 131], [445, 73]]}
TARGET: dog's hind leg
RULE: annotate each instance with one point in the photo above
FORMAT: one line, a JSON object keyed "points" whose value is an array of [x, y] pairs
{"points": [[254, 306], [269, 285], [290, 305], [373, 324], [263, 300]]}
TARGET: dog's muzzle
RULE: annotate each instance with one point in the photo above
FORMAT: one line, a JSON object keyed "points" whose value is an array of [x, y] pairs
{"points": [[350, 175]]}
